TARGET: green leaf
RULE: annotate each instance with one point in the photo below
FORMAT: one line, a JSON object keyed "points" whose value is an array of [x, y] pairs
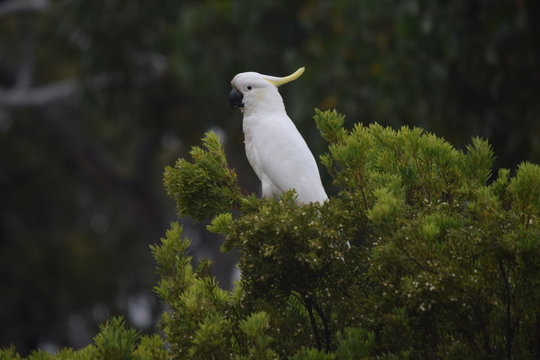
{"points": [[221, 224], [525, 189], [115, 341], [205, 187]]}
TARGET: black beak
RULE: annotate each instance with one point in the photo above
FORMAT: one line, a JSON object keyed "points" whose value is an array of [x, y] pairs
{"points": [[235, 98]]}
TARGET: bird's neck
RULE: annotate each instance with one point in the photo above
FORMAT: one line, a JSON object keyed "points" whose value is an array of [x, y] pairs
{"points": [[264, 103]]}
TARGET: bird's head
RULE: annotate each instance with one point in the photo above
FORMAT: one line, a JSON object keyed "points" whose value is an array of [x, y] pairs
{"points": [[251, 90]]}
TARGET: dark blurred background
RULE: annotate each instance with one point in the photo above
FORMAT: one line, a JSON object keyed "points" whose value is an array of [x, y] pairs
{"points": [[97, 96]]}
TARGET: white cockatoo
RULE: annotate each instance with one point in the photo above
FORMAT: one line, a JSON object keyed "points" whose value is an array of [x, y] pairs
{"points": [[274, 147]]}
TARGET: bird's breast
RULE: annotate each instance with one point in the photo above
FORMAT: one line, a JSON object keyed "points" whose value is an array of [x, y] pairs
{"points": [[249, 143]]}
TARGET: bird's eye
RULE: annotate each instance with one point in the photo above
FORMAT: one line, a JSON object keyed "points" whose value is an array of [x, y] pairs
{"points": [[249, 87]]}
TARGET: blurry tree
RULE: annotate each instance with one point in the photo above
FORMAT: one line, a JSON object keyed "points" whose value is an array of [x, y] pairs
{"points": [[97, 96]]}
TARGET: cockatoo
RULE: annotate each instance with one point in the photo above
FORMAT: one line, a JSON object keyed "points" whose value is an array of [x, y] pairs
{"points": [[275, 149]]}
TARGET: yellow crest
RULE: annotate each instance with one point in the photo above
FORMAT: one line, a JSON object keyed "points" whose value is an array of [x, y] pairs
{"points": [[278, 81]]}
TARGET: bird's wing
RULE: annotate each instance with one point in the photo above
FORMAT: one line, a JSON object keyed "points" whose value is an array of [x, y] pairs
{"points": [[286, 160]]}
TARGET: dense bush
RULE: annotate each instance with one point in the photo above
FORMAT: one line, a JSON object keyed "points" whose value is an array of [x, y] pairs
{"points": [[422, 254]]}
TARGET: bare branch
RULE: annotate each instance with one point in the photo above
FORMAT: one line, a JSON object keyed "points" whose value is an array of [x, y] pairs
{"points": [[51, 93], [38, 96], [14, 6]]}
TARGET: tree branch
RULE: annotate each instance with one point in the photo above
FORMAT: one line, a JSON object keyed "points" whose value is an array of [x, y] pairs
{"points": [[14, 6], [39, 95], [325, 325], [309, 308], [51, 93]]}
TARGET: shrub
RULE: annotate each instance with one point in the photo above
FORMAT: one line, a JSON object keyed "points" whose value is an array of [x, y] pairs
{"points": [[422, 254]]}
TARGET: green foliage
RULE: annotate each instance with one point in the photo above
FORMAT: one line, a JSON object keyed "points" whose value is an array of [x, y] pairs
{"points": [[172, 263], [355, 344], [312, 354], [151, 347], [207, 186], [330, 124], [114, 342], [255, 328], [421, 255], [9, 353], [525, 188]]}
